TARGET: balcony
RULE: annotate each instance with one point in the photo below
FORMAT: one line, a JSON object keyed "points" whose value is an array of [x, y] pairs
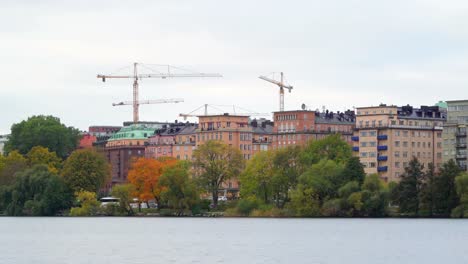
{"points": [[461, 156], [461, 134], [382, 158], [382, 137], [463, 167], [383, 147], [355, 138], [382, 168], [461, 145], [355, 148]]}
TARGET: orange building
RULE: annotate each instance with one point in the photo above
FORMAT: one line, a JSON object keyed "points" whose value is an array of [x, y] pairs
{"points": [[299, 126]]}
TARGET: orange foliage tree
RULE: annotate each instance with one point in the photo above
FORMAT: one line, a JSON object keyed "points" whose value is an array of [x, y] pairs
{"points": [[145, 173]]}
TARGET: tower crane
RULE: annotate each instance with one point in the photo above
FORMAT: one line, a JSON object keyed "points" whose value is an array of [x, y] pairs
{"points": [[163, 75], [221, 111], [281, 85]]}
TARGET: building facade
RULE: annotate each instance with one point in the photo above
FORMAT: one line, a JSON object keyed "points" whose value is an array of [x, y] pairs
{"points": [[3, 140], [300, 126], [387, 137], [455, 133]]}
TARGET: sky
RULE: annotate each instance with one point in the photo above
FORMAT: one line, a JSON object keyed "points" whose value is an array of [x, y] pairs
{"points": [[337, 54]]}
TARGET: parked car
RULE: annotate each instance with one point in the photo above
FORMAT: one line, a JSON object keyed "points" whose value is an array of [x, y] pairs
{"points": [[109, 200]]}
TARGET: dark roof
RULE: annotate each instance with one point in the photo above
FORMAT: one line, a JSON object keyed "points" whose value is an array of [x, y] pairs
{"points": [[334, 118]]}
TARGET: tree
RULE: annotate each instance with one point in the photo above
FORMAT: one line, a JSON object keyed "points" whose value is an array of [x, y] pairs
{"points": [[288, 169], [324, 178], [10, 165], [216, 162], [46, 131], [179, 191], [427, 192], [354, 170], [257, 178], [304, 201], [89, 205], [445, 196], [374, 196], [145, 174], [409, 187], [331, 147], [125, 194], [461, 183], [86, 170], [37, 191], [41, 155]]}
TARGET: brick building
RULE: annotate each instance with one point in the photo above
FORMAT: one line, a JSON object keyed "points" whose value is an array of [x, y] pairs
{"points": [[299, 126]]}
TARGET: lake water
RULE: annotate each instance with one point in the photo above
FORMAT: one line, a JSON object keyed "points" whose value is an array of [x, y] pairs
{"points": [[232, 240]]}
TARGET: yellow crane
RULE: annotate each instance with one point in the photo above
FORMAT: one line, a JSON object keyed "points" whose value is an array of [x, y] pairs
{"points": [[281, 85], [168, 74]]}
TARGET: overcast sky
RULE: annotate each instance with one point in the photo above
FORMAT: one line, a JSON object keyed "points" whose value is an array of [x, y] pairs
{"points": [[337, 54]]}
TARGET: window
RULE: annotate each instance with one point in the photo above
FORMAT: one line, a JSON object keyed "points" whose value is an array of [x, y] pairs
{"points": [[397, 143], [397, 164], [230, 136], [397, 154]]}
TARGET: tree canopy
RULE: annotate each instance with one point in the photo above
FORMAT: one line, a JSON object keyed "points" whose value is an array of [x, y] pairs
{"points": [[216, 162], [86, 170], [46, 131]]}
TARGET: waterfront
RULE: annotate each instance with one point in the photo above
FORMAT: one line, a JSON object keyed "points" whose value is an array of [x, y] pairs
{"points": [[232, 240]]}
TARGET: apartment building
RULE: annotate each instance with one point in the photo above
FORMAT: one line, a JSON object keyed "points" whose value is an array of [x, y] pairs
{"points": [[387, 137], [455, 133], [299, 126]]}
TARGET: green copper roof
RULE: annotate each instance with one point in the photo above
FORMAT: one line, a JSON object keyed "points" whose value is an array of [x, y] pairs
{"points": [[136, 131], [441, 104]]}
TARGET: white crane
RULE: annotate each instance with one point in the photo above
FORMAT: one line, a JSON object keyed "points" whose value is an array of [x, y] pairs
{"points": [[281, 85], [164, 75]]}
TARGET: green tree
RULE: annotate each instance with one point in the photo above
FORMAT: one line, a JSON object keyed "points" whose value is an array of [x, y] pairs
{"points": [[89, 205], [304, 201], [214, 163], [179, 191], [409, 187], [331, 147], [445, 196], [86, 170], [461, 184], [287, 168], [10, 165], [46, 131], [125, 194], [37, 191], [257, 178], [324, 178], [374, 196], [41, 155], [427, 192], [354, 170]]}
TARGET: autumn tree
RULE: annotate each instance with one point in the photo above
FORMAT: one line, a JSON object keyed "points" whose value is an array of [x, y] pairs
{"points": [[10, 165], [46, 131], [88, 204], [86, 170], [216, 162], [145, 174], [41, 155]]}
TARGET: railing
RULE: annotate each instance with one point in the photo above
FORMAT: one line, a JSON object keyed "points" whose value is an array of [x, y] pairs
{"points": [[384, 147], [461, 145], [355, 138], [461, 156], [461, 134], [382, 168], [382, 158], [355, 148], [382, 137]]}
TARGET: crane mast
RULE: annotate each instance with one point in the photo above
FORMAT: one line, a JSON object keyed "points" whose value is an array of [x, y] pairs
{"points": [[281, 85], [136, 77]]}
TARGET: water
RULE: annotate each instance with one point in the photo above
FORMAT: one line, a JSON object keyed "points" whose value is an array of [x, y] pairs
{"points": [[232, 240]]}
